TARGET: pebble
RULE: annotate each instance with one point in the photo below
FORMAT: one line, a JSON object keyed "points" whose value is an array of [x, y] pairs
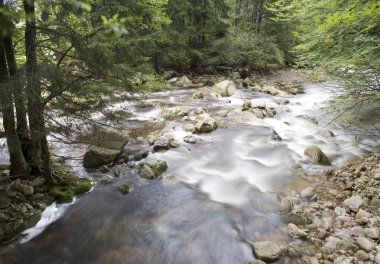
{"points": [[365, 244]]}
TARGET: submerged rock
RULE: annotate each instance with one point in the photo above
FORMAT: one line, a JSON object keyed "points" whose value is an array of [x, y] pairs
{"points": [[124, 189], [317, 155], [225, 88], [267, 251], [197, 95]]}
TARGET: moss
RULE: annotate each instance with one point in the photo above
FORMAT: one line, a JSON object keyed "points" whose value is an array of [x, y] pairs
{"points": [[124, 189], [69, 184]]}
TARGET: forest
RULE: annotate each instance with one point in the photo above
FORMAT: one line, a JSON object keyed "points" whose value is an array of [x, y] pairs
{"points": [[81, 83]]}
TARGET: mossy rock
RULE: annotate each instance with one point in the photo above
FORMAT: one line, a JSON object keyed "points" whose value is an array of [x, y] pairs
{"points": [[69, 184], [124, 189], [152, 171], [317, 155], [66, 193]]}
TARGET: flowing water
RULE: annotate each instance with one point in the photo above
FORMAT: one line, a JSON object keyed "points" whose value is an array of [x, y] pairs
{"points": [[216, 197]]}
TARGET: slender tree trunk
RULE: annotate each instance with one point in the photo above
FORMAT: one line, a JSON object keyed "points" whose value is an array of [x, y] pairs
{"points": [[18, 94], [38, 133], [257, 14], [18, 164], [237, 12]]}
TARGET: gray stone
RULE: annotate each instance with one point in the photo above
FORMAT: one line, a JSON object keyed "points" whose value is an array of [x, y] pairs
{"points": [[142, 154], [190, 139], [206, 125], [162, 143], [200, 110], [376, 175], [222, 113], [189, 128], [317, 155], [98, 156], [377, 258], [110, 139], [307, 193], [357, 231], [347, 246], [331, 245], [247, 105], [225, 88], [152, 171], [354, 203], [124, 189], [37, 182], [339, 211], [197, 95], [267, 251], [365, 244], [256, 262], [183, 81], [362, 255], [295, 231], [270, 90], [362, 216], [372, 232], [4, 202], [261, 104]]}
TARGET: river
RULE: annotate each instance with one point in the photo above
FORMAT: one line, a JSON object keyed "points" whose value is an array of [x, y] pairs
{"points": [[216, 197]]}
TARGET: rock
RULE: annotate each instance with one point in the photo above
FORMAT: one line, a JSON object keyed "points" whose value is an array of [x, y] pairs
{"points": [[173, 80], [377, 258], [183, 81], [142, 154], [235, 75], [353, 203], [162, 143], [246, 82], [331, 245], [123, 188], [339, 211], [270, 90], [190, 139], [222, 113], [362, 216], [200, 110], [4, 202], [104, 169], [225, 88], [37, 182], [97, 156], [295, 231], [362, 255], [267, 251], [110, 139], [206, 125], [357, 231], [327, 134], [307, 193], [347, 246], [313, 260], [151, 140], [198, 95], [281, 101], [285, 205], [376, 174], [117, 171], [261, 104], [152, 171], [189, 128], [372, 232], [275, 136], [317, 155], [247, 105], [256, 262], [258, 113], [365, 244]]}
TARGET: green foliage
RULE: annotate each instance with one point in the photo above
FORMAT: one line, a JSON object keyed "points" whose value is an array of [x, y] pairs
{"points": [[253, 51]]}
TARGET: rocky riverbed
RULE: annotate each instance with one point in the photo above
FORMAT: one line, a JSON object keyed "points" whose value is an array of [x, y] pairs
{"points": [[242, 164]]}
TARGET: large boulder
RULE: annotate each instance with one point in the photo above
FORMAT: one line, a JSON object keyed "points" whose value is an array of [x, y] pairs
{"points": [[97, 156], [267, 251], [110, 139], [317, 155], [206, 125], [225, 88]]}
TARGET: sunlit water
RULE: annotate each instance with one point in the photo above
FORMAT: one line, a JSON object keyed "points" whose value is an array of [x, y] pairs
{"points": [[216, 197]]}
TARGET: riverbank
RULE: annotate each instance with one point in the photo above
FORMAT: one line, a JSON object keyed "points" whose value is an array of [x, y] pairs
{"points": [[341, 212]]}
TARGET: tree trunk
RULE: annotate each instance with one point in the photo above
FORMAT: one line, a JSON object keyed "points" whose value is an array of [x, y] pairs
{"points": [[18, 94], [18, 164], [237, 12], [39, 145]]}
